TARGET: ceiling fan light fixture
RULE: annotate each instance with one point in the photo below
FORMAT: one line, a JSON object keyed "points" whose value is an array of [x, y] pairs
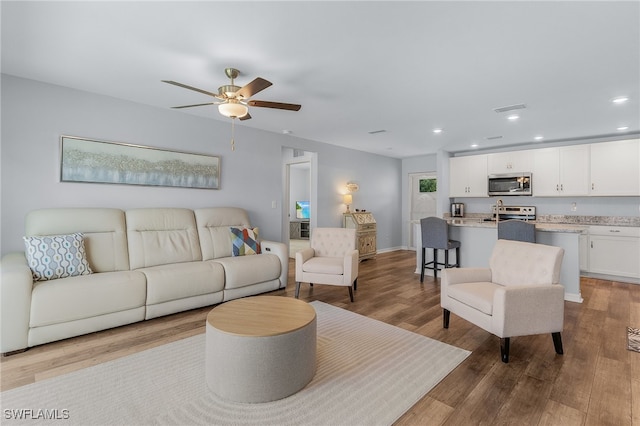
{"points": [[233, 109]]}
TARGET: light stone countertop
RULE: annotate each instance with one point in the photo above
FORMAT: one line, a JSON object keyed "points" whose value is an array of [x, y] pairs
{"points": [[549, 223], [544, 227]]}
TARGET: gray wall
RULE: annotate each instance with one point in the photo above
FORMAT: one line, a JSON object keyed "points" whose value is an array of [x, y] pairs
{"points": [[34, 115]]}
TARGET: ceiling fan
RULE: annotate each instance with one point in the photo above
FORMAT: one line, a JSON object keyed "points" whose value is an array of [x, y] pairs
{"points": [[233, 101]]}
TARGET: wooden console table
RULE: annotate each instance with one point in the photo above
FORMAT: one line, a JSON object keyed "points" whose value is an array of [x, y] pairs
{"points": [[366, 232]]}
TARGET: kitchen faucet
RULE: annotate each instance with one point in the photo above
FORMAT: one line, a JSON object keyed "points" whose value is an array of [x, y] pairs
{"points": [[498, 206]]}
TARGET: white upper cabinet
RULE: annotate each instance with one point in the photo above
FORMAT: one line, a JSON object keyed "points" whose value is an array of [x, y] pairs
{"points": [[561, 172], [615, 168], [468, 176], [510, 162]]}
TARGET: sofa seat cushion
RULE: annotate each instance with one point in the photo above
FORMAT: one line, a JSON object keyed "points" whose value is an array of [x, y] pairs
{"points": [[478, 295], [86, 296], [181, 280], [243, 271], [324, 265]]}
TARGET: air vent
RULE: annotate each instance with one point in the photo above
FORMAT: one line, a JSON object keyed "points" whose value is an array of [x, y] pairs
{"points": [[298, 153], [491, 138], [510, 108], [377, 131]]}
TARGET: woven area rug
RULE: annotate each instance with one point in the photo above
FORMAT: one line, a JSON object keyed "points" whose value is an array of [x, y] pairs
{"points": [[633, 339], [369, 373]]}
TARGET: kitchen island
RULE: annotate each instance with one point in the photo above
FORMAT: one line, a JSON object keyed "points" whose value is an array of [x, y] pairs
{"points": [[477, 238]]}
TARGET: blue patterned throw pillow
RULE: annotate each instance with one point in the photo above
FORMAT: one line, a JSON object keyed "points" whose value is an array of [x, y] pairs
{"points": [[244, 241], [56, 256]]}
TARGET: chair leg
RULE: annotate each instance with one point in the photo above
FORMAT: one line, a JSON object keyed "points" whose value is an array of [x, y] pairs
{"points": [[351, 293], [422, 266], [457, 257], [557, 342], [435, 263], [504, 349], [446, 315], [446, 258], [297, 289], [355, 284]]}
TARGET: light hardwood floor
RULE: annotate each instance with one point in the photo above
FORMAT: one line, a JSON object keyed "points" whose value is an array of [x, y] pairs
{"points": [[596, 382]]}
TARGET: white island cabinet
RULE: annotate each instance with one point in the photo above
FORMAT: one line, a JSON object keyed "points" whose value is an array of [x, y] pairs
{"points": [[477, 239]]}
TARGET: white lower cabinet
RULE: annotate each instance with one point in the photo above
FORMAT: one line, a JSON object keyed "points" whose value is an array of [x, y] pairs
{"points": [[614, 250]]}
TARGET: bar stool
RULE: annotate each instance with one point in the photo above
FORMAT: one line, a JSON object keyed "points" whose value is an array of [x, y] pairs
{"points": [[435, 235], [517, 230]]}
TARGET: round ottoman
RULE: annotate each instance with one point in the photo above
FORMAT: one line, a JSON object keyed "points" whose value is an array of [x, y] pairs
{"points": [[260, 349]]}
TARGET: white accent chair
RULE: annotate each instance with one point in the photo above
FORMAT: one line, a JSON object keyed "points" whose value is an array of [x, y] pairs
{"points": [[332, 259], [517, 295]]}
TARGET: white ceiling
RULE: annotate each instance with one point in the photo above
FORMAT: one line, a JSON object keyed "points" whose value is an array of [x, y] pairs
{"points": [[356, 67]]}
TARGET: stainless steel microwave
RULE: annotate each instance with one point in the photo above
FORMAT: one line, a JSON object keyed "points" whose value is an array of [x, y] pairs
{"points": [[510, 184]]}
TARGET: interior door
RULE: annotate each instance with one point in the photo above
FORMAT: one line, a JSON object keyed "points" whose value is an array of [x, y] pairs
{"points": [[423, 199]]}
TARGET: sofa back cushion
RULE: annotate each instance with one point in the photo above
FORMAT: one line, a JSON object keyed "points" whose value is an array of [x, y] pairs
{"points": [[214, 229], [159, 236], [516, 263], [105, 234]]}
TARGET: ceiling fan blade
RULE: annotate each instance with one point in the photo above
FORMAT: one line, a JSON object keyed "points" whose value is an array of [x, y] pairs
{"points": [[252, 88], [276, 105], [196, 105], [184, 86], [245, 117]]}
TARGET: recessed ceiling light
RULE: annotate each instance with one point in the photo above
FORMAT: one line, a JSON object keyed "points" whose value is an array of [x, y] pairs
{"points": [[474, 145], [621, 128], [513, 117], [287, 132], [620, 100], [539, 138], [436, 131]]}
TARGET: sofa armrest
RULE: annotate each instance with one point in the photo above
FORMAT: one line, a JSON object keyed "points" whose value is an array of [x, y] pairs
{"points": [[526, 310], [16, 284], [351, 261], [282, 251]]}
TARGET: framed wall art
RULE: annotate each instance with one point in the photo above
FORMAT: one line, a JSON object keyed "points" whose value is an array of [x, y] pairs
{"points": [[94, 161]]}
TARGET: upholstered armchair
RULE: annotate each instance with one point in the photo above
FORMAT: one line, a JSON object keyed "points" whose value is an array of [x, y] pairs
{"points": [[331, 259], [517, 295]]}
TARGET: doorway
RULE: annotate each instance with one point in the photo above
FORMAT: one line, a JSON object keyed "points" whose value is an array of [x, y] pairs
{"points": [[299, 201], [423, 199]]}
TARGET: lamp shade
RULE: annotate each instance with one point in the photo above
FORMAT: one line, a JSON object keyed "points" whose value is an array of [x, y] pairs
{"points": [[233, 109], [347, 199]]}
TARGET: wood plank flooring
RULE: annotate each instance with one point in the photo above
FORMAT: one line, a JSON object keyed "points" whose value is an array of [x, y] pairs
{"points": [[596, 382]]}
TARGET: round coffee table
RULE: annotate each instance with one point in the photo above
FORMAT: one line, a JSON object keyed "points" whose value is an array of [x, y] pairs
{"points": [[261, 348]]}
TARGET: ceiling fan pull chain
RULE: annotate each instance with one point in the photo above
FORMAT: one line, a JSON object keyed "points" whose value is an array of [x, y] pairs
{"points": [[233, 128]]}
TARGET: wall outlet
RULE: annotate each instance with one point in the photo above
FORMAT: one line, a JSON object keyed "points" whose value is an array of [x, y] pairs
{"points": [[574, 207], [274, 204]]}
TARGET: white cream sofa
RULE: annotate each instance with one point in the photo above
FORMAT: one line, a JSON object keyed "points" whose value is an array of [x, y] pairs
{"points": [[146, 263]]}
